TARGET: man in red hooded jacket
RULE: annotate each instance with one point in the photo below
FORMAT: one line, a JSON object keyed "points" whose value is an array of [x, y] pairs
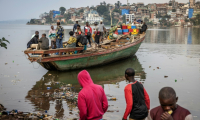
{"points": [[92, 101]]}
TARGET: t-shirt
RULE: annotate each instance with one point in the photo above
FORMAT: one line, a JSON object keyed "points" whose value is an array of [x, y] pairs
{"points": [[71, 40], [101, 26], [179, 114]]}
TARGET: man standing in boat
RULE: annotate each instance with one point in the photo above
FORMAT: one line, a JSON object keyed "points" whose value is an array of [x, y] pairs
{"points": [[59, 36], [75, 26], [88, 32], [101, 30]]}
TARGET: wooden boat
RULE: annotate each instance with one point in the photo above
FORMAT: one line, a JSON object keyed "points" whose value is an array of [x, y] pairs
{"points": [[110, 51]]}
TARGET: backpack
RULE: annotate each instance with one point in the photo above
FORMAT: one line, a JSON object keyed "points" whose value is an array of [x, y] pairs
{"points": [[60, 31], [83, 40]]}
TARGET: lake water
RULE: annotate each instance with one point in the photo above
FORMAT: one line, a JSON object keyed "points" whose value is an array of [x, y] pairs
{"points": [[176, 51]]}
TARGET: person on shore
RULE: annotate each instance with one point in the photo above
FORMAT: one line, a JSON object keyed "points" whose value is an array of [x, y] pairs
{"points": [[168, 109], [101, 29], [143, 28], [43, 43], [88, 32], [78, 31], [75, 26], [59, 36], [36, 33], [33, 40], [92, 101], [137, 99], [71, 43], [52, 36]]}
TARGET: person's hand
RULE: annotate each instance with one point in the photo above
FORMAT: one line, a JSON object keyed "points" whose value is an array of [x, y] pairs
{"points": [[166, 116], [124, 119]]}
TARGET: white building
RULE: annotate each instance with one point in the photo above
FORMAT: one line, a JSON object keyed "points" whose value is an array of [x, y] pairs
{"points": [[131, 17], [93, 16]]}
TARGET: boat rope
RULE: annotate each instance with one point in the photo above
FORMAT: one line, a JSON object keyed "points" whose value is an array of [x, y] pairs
{"points": [[32, 63]]}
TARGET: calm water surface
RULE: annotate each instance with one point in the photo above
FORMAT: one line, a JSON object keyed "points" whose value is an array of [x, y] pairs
{"points": [[176, 51]]}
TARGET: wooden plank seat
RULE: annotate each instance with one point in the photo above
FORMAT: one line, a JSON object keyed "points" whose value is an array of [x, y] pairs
{"points": [[60, 51]]}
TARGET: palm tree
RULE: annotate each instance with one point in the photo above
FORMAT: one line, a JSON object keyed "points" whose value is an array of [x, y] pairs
{"points": [[3, 44]]}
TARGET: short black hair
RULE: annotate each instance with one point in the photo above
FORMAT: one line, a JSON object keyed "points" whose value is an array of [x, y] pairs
{"points": [[36, 32], [167, 93], [37, 36], [71, 33], [44, 34], [58, 23], [78, 26], [130, 72]]}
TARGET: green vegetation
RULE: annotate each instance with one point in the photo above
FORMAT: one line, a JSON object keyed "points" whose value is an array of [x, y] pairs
{"points": [[62, 10], [102, 9], [3, 44], [196, 21], [146, 20], [67, 16], [117, 10]]}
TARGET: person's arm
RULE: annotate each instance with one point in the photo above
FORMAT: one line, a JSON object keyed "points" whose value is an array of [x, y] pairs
{"points": [[63, 32], [146, 98], [105, 102], [129, 101], [82, 107]]}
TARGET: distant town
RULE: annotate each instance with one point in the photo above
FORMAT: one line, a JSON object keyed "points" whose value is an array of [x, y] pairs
{"points": [[165, 14]]}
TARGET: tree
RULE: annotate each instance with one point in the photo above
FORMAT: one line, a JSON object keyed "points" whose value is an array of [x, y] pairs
{"points": [[62, 10], [48, 19], [117, 10], [124, 19], [102, 9], [3, 44], [186, 20], [32, 21], [146, 20]]}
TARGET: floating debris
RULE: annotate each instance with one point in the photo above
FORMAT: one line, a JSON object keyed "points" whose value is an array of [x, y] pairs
{"points": [[6, 63], [158, 68], [165, 76], [149, 66], [175, 80]]}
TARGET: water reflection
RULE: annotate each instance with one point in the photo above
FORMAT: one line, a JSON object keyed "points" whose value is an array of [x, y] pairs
{"points": [[108, 74], [177, 35]]}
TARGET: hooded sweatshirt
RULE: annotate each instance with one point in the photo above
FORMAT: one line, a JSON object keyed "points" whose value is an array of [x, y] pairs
{"points": [[92, 101]]}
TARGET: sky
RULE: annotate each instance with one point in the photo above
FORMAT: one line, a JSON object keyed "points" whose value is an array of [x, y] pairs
{"points": [[27, 9]]}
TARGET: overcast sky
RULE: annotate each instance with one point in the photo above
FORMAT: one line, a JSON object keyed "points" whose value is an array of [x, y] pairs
{"points": [[27, 9]]}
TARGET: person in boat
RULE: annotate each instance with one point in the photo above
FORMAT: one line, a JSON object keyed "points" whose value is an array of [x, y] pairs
{"points": [[75, 26], [36, 33], [59, 36], [92, 100], [78, 31], [135, 22], [43, 43], [34, 40], [71, 43], [168, 109], [52, 36], [127, 21], [143, 28], [137, 99], [97, 34], [101, 29], [88, 32]]}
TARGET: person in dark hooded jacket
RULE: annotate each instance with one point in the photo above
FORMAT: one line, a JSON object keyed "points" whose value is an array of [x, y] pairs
{"points": [[92, 101], [34, 40]]}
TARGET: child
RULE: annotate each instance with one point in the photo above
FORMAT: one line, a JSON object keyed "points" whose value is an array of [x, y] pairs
{"points": [[168, 109]]}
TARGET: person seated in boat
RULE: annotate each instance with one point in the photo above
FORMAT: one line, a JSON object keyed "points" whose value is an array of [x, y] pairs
{"points": [[143, 28], [34, 40], [135, 22], [78, 31], [43, 43], [71, 43], [36, 33], [168, 109]]}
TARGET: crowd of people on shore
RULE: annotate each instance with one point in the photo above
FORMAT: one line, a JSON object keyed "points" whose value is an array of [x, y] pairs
{"points": [[92, 101], [78, 38]]}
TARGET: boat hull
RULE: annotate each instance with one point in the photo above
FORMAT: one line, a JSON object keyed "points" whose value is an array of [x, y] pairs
{"points": [[93, 59]]}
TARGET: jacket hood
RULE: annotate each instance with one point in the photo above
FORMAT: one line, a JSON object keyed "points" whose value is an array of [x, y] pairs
{"points": [[84, 78]]}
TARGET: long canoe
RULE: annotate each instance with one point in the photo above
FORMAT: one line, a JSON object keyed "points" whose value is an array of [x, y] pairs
{"points": [[83, 60]]}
